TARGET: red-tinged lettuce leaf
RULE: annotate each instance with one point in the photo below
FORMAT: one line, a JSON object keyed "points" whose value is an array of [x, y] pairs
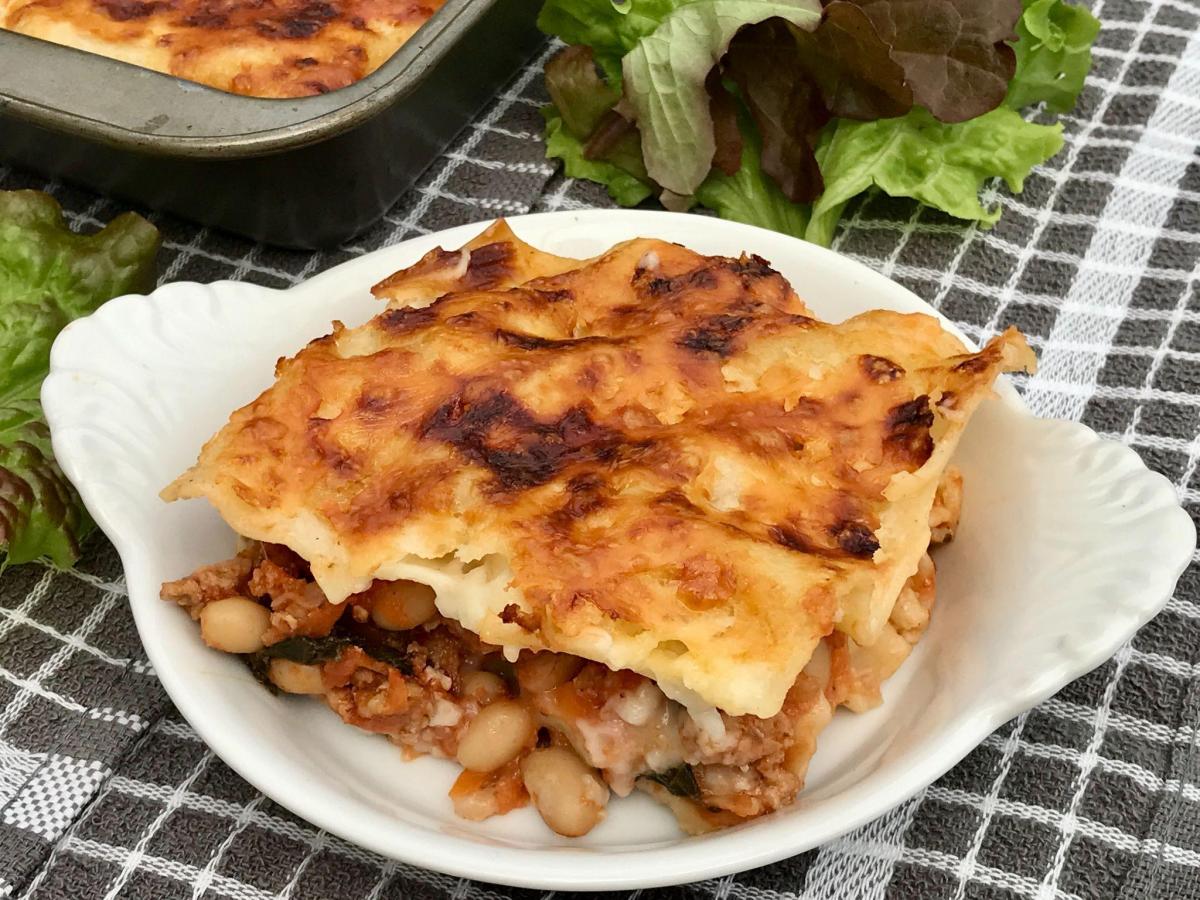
{"points": [[615, 140], [723, 109], [785, 104], [748, 195], [576, 89], [586, 128], [49, 276], [665, 75], [875, 59], [852, 65], [1054, 54], [953, 52], [625, 187]]}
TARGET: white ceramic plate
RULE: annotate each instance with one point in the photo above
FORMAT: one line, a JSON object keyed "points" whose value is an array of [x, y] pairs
{"points": [[1067, 545]]}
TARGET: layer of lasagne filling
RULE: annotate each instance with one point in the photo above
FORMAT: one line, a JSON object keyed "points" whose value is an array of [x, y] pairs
{"points": [[387, 662]]}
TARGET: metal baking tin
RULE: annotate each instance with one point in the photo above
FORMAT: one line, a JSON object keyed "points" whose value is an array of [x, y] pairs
{"points": [[309, 173]]}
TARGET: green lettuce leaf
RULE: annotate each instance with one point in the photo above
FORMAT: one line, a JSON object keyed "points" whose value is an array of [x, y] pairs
{"points": [[610, 30], [664, 81], [625, 188], [916, 156], [1054, 54], [585, 103], [749, 195], [49, 276]]}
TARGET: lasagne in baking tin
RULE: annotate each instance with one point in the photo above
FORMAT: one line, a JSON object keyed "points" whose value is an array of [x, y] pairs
{"points": [[262, 48], [639, 521]]}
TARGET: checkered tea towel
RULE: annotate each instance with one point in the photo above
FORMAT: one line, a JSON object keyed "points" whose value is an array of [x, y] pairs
{"points": [[106, 792]]}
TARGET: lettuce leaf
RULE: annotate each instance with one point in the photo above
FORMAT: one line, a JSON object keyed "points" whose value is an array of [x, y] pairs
{"points": [[955, 56], [580, 95], [852, 66], [664, 81], [585, 102], [749, 195], [1054, 54], [922, 77], [49, 276], [625, 188], [786, 106], [611, 30], [943, 166]]}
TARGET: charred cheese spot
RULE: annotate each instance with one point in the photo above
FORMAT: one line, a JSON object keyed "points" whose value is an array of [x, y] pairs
{"points": [[878, 369], [512, 614], [843, 539], [520, 451], [787, 536], [405, 319], [586, 496], [974, 365], [533, 342], [374, 407], [715, 335], [489, 265], [125, 10], [656, 286], [753, 265], [528, 342], [301, 22], [907, 426], [856, 538], [327, 450]]}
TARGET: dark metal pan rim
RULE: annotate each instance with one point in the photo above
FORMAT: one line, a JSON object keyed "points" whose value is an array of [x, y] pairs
{"points": [[148, 111]]}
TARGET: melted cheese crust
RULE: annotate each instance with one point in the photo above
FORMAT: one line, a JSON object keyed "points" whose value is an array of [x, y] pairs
{"points": [[276, 48], [656, 460]]}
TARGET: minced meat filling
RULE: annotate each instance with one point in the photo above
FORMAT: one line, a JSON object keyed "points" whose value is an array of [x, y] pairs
{"points": [[423, 686], [208, 583]]}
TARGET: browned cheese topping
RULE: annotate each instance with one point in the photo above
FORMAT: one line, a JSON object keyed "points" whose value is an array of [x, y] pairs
{"points": [[661, 459], [262, 48]]}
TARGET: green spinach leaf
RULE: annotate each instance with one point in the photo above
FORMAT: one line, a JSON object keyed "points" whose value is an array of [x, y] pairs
{"points": [[680, 781]]}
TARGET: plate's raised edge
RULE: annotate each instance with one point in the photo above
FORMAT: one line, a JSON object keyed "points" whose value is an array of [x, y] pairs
{"points": [[736, 852]]}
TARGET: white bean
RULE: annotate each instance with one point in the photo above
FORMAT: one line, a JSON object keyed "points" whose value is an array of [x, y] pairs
{"points": [[483, 687], [296, 678], [538, 672], [475, 806], [401, 605], [234, 624], [496, 735], [567, 792]]}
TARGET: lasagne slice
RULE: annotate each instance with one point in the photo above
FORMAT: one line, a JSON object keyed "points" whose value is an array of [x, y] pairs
{"points": [[285, 48], [639, 521], [656, 461]]}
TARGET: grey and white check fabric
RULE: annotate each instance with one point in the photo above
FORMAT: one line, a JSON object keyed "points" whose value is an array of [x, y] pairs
{"points": [[106, 792]]}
